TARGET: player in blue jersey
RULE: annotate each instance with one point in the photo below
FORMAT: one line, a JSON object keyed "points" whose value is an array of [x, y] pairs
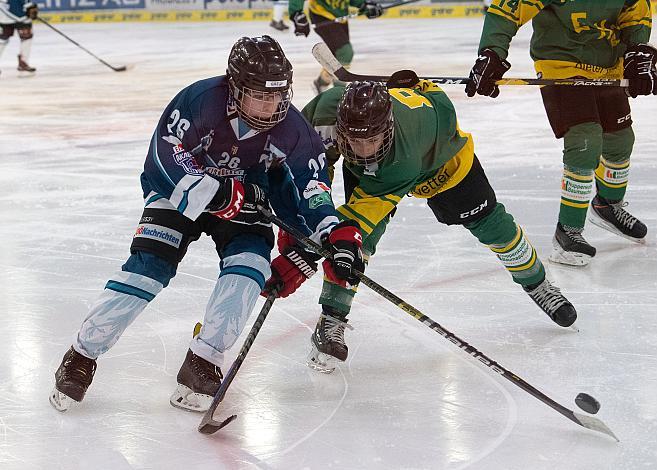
{"points": [[17, 15], [222, 147]]}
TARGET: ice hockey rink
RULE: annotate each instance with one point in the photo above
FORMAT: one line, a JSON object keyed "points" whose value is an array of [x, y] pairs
{"points": [[73, 141]]}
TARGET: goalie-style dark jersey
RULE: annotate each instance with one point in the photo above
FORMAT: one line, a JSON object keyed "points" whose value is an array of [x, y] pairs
{"points": [[430, 154], [287, 161], [571, 37]]}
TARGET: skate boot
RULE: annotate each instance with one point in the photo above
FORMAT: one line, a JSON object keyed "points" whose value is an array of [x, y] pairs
{"points": [[552, 302], [328, 343], [570, 247], [23, 66], [611, 216], [279, 25], [72, 379], [198, 382]]}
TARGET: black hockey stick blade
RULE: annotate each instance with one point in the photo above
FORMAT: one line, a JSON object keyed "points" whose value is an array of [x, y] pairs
{"points": [[210, 426], [326, 59]]}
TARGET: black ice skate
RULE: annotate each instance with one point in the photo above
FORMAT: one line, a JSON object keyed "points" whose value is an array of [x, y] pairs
{"points": [[611, 216], [72, 379], [23, 66], [552, 302], [328, 343], [279, 25], [198, 382], [570, 247]]}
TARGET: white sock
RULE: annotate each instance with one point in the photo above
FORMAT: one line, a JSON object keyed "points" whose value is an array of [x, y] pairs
{"points": [[278, 10], [26, 48]]}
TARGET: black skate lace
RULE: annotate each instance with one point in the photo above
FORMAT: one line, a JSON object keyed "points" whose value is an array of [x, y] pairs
{"points": [[334, 329], [548, 297], [624, 217], [575, 235], [77, 371]]}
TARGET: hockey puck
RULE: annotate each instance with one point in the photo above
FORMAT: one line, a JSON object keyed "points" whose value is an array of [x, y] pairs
{"points": [[587, 403]]}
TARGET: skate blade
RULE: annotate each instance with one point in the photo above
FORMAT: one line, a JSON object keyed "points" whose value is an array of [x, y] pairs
{"points": [[560, 256], [60, 401], [185, 399], [324, 363], [595, 219]]}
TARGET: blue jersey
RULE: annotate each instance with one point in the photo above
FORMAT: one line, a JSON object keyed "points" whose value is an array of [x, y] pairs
{"points": [[287, 161], [13, 11]]}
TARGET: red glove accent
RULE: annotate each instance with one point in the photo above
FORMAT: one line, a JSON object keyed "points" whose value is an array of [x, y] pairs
{"points": [[234, 200], [345, 243], [284, 240], [288, 271]]}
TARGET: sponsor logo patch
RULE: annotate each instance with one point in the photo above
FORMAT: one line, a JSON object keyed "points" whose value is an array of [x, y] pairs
{"points": [[322, 199], [159, 233], [314, 188]]}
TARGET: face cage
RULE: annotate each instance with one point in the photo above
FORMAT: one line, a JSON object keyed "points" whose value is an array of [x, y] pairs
{"points": [[249, 103], [348, 153]]}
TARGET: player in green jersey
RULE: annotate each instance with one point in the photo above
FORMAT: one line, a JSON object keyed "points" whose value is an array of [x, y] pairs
{"points": [[587, 39], [334, 34], [406, 141]]}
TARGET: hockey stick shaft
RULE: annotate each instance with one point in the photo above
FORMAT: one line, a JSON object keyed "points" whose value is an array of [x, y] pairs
{"points": [[325, 57], [582, 420], [116, 69], [342, 19], [208, 425]]}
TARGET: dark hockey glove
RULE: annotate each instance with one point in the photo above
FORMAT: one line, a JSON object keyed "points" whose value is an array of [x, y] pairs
{"points": [[238, 202], [487, 68], [289, 270], [301, 24], [639, 67], [371, 9], [345, 242], [403, 79], [31, 10]]}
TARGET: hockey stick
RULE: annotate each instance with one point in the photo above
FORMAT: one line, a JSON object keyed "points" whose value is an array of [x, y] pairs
{"points": [[208, 424], [122, 68], [342, 19], [586, 421], [325, 57]]}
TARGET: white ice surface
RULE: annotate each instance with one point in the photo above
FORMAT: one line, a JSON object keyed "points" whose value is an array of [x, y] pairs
{"points": [[73, 140]]}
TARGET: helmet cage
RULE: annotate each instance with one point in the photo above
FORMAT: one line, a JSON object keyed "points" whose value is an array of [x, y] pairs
{"points": [[380, 145], [252, 105]]}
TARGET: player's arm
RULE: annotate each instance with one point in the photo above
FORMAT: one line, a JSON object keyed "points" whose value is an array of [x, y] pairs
{"points": [[299, 18], [172, 172], [320, 112], [503, 19], [640, 59]]}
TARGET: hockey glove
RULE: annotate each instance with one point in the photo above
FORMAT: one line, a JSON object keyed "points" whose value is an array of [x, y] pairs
{"points": [[238, 202], [487, 68], [639, 67], [403, 79], [31, 10], [371, 9], [301, 25], [345, 242], [289, 270]]}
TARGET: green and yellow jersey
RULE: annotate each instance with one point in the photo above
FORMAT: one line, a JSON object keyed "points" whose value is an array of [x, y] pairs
{"points": [[571, 38], [330, 9], [430, 154]]}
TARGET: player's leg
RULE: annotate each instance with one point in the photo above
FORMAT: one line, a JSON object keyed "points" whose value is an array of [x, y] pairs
{"points": [[327, 341], [470, 201], [160, 242], [25, 34], [336, 37], [6, 31], [612, 174], [574, 115], [278, 9], [245, 256]]}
